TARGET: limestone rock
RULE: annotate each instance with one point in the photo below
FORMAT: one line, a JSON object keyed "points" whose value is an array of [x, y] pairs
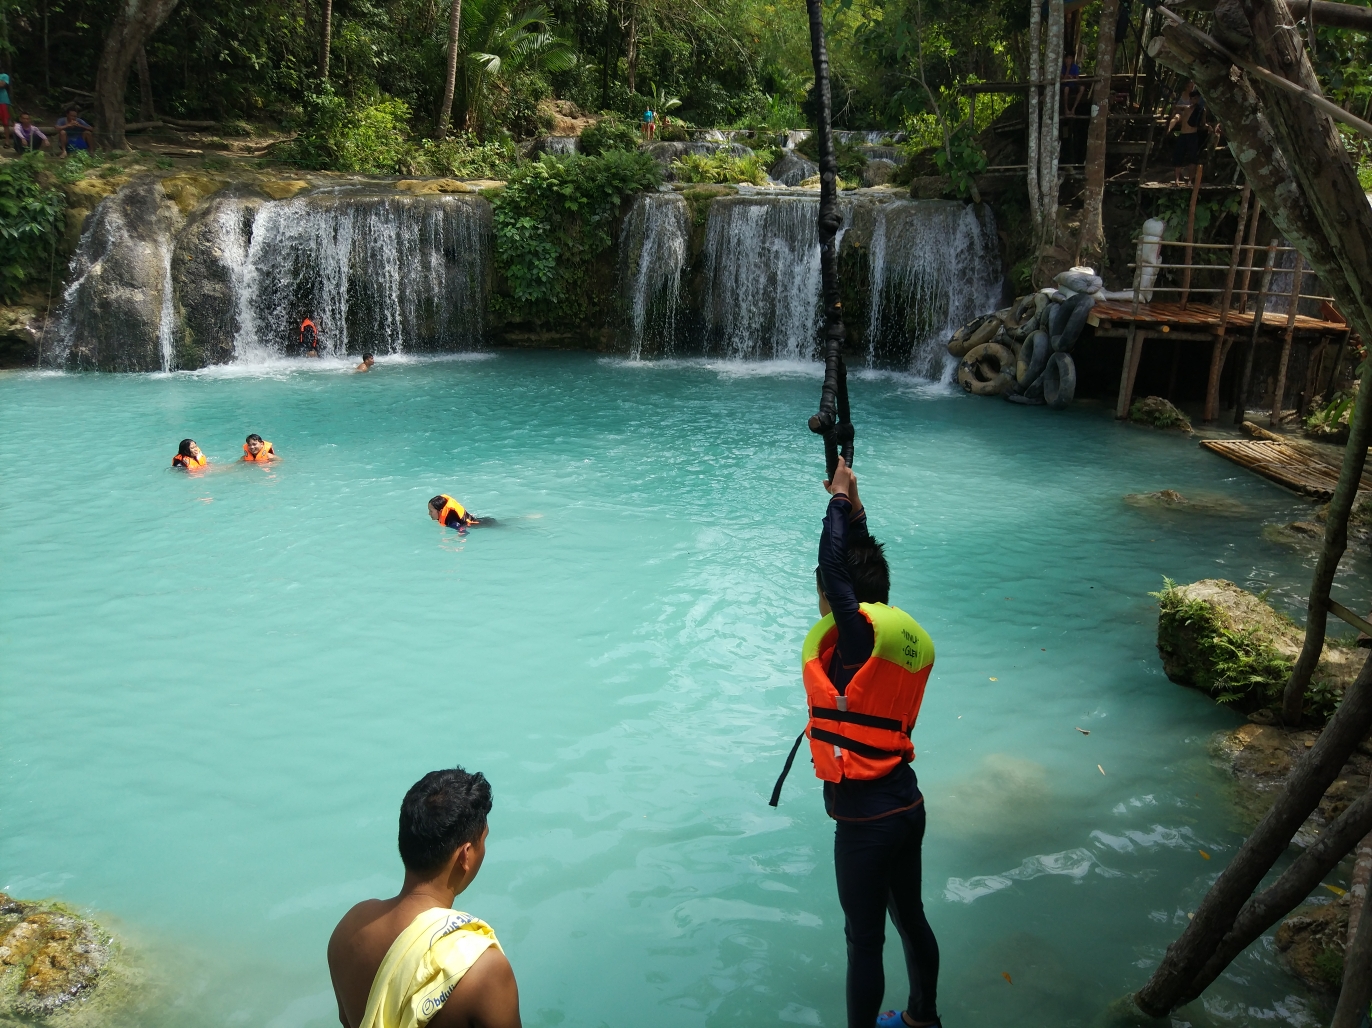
{"points": [[428, 186], [118, 280], [791, 169], [202, 280], [283, 189], [21, 333], [1311, 941], [1222, 639], [188, 189], [57, 955], [878, 171], [1155, 411], [1170, 499]]}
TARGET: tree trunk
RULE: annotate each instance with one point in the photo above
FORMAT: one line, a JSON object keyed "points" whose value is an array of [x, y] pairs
{"points": [[832, 420], [1362, 877], [146, 110], [1288, 892], [631, 50], [1092, 229], [1173, 983], [1357, 973], [445, 112], [1050, 141], [325, 38], [1035, 45], [134, 23]]}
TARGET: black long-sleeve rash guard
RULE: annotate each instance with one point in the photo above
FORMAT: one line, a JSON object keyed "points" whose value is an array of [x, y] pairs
{"points": [[854, 799]]}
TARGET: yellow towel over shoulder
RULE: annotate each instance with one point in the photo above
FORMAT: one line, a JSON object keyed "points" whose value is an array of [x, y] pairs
{"points": [[422, 967]]}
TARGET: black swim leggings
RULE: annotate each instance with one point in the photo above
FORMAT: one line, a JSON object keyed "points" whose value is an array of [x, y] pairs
{"points": [[878, 865]]}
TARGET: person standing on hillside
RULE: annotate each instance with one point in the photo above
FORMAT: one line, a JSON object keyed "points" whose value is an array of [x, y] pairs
{"points": [[866, 665], [1189, 113], [5, 106]]}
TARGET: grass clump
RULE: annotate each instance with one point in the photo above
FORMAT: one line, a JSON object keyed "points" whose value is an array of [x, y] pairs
{"points": [[551, 221], [609, 133]]}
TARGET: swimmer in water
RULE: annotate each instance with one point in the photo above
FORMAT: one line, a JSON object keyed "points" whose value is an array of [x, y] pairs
{"points": [[451, 514], [367, 361], [256, 449], [189, 457]]}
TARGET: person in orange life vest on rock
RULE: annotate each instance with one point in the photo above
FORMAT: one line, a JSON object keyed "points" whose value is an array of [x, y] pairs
{"points": [[309, 338], [257, 449], [865, 669], [451, 514], [189, 457]]}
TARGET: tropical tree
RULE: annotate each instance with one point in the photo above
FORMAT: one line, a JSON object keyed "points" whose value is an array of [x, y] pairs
{"points": [[501, 41]]}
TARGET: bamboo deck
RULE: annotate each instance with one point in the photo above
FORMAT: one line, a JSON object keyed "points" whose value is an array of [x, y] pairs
{"points": [[1296, 468], [1203, 315]]}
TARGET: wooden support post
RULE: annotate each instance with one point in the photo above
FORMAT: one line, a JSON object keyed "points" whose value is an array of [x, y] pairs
{"points": [[1127, 376], [1190, 234], [1338, 359], [1249, 254], [1242, 400], [1221, 347], [1314, 368], [1279, 397]]}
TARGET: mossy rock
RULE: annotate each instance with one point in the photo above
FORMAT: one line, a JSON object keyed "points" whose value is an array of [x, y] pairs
{"points": [[1170, 499], [429, 186], [1159, 413], [283, 189], [1311, 941], [1231, 644], [1301, 535], [189, 188], [699, 197]]}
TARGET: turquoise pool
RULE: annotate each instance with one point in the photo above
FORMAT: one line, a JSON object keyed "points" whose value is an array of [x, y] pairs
{"points": [[214, 690]]}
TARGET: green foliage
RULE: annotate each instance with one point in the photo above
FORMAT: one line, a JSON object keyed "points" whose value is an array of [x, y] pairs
{"points": [[30, 223], [1329, 965], [462, 156], [609, 133], [367, 136], [723, 166], [1365, 177], [1331, 419], [961, 161], [1234, 667], [553, 219]]}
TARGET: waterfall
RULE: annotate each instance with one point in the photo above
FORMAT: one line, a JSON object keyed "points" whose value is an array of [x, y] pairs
{"points": [[381, 273], [654, 247], [762, 277], [932, 265], [166, 322]]}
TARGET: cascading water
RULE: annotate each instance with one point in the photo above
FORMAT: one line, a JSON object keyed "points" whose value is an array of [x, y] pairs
{"points": [[654, 247], [384, 273], [762, 273], [932, 265]]}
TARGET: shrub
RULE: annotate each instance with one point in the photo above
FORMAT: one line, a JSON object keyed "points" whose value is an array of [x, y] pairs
{"points": [[723, 167], [553, 218], [608, 134], [366, 135], [851, 160], [1330, 421], [461, 157], [961, 161], [673, 132], [30, 223]]}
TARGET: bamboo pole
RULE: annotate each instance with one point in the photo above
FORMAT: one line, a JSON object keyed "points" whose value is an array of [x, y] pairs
{"points": [[1126, 376], [1191, 233], [1293, 302], [1221, 346], [1033, 128], [1248, 247], [1242, 399]]}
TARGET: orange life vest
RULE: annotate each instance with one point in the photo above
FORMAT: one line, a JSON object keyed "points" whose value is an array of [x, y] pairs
{"points": [[865, 732], [314, 332], [449, 504], [189, 463], [266, 453]]}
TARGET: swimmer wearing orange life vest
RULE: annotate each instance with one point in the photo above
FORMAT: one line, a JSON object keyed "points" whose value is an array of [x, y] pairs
{"points": [[188, 457], [865, 666], [309, 338], [258, 450], [451, 514]]}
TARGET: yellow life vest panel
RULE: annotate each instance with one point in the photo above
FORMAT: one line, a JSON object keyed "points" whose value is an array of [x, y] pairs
{"points": [[266, 453], [449, 504]]}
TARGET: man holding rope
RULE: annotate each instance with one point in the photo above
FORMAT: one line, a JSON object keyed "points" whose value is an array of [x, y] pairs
{"points": [[865, 667]]}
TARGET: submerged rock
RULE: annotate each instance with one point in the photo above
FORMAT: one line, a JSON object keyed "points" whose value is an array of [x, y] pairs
{"points": [[55, 955], [1304, 535], [1160, 413], [1170, 499]]}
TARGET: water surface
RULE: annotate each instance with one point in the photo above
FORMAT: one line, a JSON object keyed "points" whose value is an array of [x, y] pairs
{"points": [[214, 690]]}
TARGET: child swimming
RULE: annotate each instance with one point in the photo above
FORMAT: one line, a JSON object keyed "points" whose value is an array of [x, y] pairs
{"points": [[189, 457], [257, 449], [451, 514]]}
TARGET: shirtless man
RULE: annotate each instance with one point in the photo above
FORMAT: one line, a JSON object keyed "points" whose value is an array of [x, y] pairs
{"points": [[413, 951], [367, 361]]}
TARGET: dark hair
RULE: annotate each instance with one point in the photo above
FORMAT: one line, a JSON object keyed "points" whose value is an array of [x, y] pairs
{"points": [[437, 502], [442, 811], [254, 438], [368, 357], [867, 570], [185, 448], [73, 110]]}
